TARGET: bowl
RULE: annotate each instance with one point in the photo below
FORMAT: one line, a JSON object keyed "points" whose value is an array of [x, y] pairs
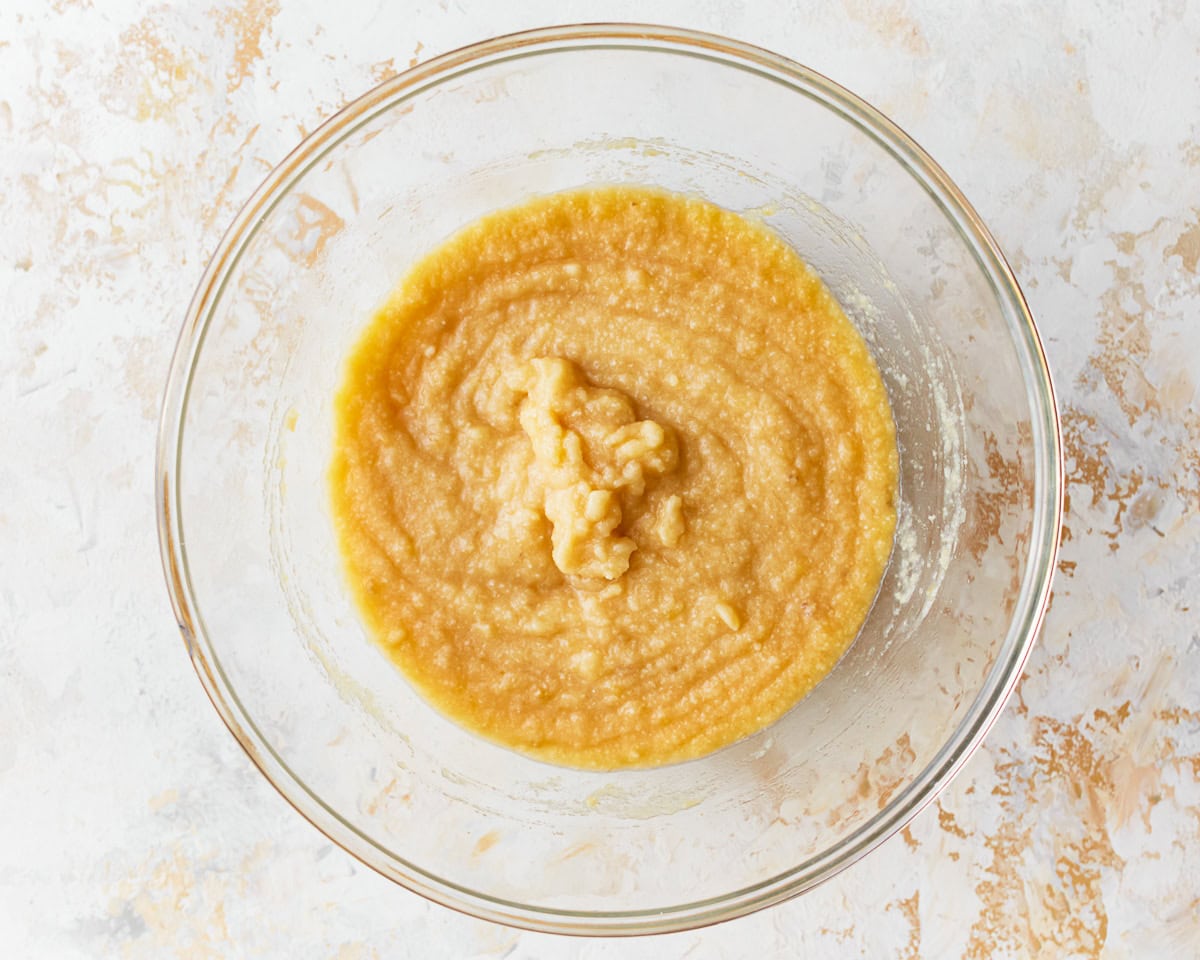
{"points": [[245, 442]]}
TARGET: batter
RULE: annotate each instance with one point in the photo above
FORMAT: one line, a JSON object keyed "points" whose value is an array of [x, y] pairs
{"points": [[614, 477]]}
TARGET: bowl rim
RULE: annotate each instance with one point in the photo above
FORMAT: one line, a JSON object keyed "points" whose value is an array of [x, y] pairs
{"points": [[1029, 609]]}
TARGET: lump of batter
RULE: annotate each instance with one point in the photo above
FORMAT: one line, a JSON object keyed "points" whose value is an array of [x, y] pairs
{"points": [[590, 453]]}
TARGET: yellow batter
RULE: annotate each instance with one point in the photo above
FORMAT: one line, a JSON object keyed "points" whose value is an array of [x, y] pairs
{"points": [[614, 477]]}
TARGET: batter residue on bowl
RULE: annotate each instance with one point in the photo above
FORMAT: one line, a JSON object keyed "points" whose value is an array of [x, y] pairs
{"points": [[614, 477]]}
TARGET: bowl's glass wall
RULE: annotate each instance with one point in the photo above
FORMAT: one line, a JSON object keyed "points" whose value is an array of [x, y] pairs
{"points": [[275, 621]]}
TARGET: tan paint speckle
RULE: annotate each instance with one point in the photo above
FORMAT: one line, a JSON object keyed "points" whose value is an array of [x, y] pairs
{"points": [[1187, 248], [248, 23]]}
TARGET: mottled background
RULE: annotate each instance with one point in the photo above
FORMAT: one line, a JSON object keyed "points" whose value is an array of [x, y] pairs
{"points": [[131, 825]]}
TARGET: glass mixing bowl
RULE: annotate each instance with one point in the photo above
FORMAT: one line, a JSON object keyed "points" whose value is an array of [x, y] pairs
{"points": [[247, 537]]}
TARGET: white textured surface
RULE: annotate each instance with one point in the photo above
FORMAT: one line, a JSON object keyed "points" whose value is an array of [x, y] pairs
{"points": [[131, 825]]}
